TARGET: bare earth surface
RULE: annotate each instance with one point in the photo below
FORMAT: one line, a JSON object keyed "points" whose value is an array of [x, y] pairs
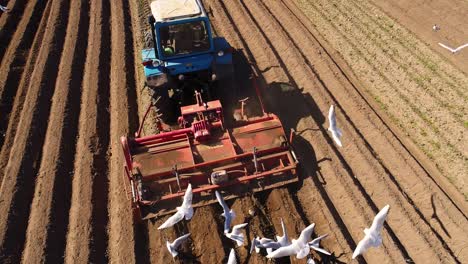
{"points": [[71, 85]]}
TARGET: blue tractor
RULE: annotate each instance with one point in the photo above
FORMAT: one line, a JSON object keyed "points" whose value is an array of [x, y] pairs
{"points": [[182, 51]]}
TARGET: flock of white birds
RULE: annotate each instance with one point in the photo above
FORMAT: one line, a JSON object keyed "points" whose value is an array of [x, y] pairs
{"points": [[282, 246]]}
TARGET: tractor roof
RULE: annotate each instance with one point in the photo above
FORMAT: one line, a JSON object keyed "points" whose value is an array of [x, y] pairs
{"points": [[164, 10]]}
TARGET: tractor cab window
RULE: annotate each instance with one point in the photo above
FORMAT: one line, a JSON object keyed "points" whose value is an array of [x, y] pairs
{"points": [[184, 38]]}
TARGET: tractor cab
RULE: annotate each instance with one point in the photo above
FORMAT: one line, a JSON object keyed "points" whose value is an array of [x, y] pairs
{"points": [[183, 45]]}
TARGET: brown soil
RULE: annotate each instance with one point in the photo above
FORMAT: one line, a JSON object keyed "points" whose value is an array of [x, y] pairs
{"points": [[71, 85]]}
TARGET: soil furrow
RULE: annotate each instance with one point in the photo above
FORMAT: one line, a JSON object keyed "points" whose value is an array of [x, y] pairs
{"points": [[409, 170], [364, 158], [433, 112], [290, 63], [9, 23], [124, 120], [18, 186], [87, 237], [243, 26], [46, 234], [347, 82], [141, 236], [8, 135], [12, 66], [418, 131]]}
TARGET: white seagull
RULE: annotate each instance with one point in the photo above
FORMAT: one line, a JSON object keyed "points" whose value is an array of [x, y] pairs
{"points": [[373, 237], [228, 214], [315, 245], [336, 132], [172, 247], [4, 9], [185, 210], [281, 241], [236, 234], [452, 49], [298, 247], [258, 243], [232, 257]]}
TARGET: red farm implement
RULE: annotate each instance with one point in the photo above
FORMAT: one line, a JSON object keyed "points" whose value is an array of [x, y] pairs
{"points": [[250, 156]]}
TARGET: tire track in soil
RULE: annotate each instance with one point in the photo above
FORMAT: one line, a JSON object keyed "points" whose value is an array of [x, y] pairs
{"points": [[48, 221], [124, 119], [401, 176], [11, 68], [20, 174], [87, 238], [8, 133], [9, 23], [324, 223], [258, 9]]}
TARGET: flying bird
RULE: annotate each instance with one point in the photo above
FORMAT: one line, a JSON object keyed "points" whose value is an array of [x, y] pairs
{"points": [[185, 210], [436, 27], [298, 247], [281, 241], [4, 9], [452, 49], [236, 234], [172, 247], [258, 243], [315, 245], [232, 257], [372, 236], [336, 132], [228, 214]]}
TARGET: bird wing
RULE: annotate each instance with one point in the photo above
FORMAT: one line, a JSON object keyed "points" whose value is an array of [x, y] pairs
{"points": [[174, 219], [187, 203], [171, 250], [319, 249], [285, 237], [461, 47], [179, 240], [306, 234], [362, 246], [447, 47], [222, 202], [236, 230], [379, 219], [315, 245], [336, 137], [316, 241], [228, 216], [232, 257], [253, 245], [284, 251], [331, 116]]}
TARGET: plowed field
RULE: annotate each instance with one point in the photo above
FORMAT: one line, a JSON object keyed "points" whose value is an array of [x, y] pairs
{"points": [[71, 85]]}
